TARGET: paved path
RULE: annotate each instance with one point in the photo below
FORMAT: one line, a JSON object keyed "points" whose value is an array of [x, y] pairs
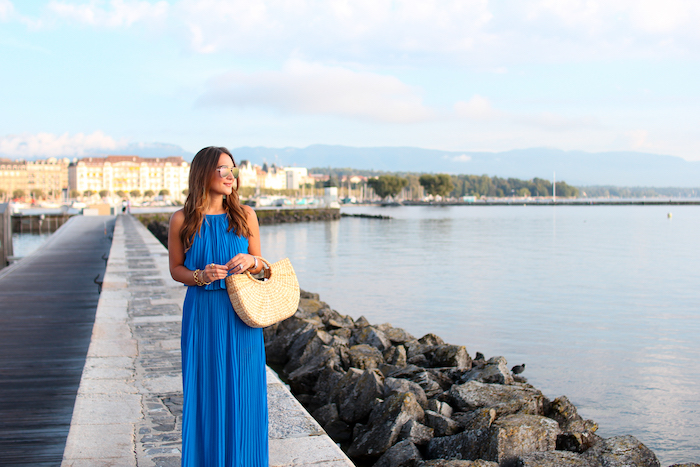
{"points": [[129, 406], [47, 308]]}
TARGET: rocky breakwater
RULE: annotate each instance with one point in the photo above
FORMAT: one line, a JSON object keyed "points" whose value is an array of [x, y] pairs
{"points": [[392, 400]]}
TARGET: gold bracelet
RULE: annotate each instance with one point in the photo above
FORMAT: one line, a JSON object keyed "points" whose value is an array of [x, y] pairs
{"points": [[198, 278]]}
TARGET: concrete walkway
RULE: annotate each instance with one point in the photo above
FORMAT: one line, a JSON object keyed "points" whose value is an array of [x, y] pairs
{"points": [[129, 405]]}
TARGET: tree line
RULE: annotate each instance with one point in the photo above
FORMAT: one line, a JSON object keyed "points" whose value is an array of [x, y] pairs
{"points": [[458, 186]]}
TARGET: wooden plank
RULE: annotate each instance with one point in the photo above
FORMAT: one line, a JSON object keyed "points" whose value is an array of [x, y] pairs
{"points": [[47, 309]]}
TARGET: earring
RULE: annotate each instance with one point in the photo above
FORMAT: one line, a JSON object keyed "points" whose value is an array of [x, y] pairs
{"points": [[224, 197]]}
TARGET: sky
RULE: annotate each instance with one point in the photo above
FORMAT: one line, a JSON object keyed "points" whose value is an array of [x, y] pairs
{"points": [[82, 77]]}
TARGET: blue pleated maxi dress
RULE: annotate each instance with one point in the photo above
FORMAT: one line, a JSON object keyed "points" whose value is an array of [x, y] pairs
{"points": [[224, 416]]}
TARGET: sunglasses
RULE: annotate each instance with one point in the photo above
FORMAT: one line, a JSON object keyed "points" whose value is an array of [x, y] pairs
{"points": [[225, 170]]}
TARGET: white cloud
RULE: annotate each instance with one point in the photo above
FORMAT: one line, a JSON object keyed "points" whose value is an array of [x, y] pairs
{"points": [[477, 108], [357, 28], [6, 9], [121, 13], [462, 158], [311, 88], [50, 145]]}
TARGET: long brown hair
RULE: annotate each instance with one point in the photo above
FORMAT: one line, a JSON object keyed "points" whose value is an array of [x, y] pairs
{"points": [[203, 166]]}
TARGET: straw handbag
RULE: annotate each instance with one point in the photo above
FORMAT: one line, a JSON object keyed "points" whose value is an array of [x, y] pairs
{"points": [[263, 303]]}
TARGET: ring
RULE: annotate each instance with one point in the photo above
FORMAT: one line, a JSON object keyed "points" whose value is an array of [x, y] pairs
{"points": [[240, 265], [212, 265]]}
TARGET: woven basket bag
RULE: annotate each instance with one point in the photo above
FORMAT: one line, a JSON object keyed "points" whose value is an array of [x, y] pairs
{"points": [[263, 303]]}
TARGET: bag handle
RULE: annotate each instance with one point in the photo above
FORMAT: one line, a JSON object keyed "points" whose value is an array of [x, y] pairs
{"points": [[267, 270]]}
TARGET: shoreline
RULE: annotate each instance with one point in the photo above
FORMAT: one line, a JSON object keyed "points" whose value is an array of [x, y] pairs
{"points": [[383, 395]]}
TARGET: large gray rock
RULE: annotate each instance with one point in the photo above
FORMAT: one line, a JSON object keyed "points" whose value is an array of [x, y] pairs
{"points": [[417, 433], [356, 401], [503, 398], [287, 331], [396, 355], [401, 454], [396, 385], [494, 371], [395, 335], [334, 320], [442, 426], [431, 339], [365, 357], [384, 426], [303, 379], [620, 451], [371, 336], [479, 419], [310, 306], [515, 435], [549, 459], [339, 431], [440, 407], [420, 376], [468, 445], [307, 294], [448, 355], [305, 347], [577, 434], [326, 383], [326, 414], [457, 463]]}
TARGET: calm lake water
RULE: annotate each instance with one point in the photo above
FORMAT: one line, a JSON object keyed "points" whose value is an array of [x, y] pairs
{"points": [[601, 302], [25, 244]]}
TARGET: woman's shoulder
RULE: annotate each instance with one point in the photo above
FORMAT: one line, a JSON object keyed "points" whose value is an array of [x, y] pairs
{"points": [[249, 211], [178, 217]]}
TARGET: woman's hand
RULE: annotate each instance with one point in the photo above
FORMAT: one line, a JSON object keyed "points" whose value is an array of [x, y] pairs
{"points": [[240, 263], [213, 272]]}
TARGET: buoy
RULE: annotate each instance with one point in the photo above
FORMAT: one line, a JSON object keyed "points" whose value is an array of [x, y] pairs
{"points": [[670, 215]]}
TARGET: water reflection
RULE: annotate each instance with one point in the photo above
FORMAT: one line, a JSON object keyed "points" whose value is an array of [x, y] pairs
{"points": [[24, 244]]}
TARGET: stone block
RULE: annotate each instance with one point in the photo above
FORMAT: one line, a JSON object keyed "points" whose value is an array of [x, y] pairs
{"points": [[514, 435]]}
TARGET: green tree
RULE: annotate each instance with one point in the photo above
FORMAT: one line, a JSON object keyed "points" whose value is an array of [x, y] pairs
{"points": [[164, 192], [3, 193], [88, 193], [387, 185], [104, 193], [135, 193], [414, 186], [18, 193], [37, 193], [437, 185], [186, 191], [74, 193], [149, 193], [121, 194], [524, 192]]}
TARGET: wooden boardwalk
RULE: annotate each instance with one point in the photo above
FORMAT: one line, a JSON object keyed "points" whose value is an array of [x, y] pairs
{"points": [[47, 309]]}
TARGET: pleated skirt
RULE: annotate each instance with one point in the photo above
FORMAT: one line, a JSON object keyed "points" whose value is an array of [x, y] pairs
{"points": [[224, 418]]}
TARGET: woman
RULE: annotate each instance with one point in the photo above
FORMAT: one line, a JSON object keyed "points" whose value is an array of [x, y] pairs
{"points": [[224, 417]]}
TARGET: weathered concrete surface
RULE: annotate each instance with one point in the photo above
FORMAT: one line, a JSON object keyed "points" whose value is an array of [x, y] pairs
{"points": [[129, 405]]}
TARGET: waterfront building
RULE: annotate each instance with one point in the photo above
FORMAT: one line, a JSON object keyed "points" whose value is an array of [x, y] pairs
{"points": [[130, 173], [272, 177], [43, 178]]}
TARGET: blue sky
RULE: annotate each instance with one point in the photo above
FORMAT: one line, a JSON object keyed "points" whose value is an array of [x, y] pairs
{"points": [[80, 77]]}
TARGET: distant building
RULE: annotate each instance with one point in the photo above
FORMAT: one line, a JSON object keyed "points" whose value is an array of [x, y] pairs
{"points": [[129, 173], [272, 177], [47, 176]]}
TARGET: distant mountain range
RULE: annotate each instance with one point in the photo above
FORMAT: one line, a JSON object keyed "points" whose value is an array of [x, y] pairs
{"points": [[578, 168], [574, 167]]}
